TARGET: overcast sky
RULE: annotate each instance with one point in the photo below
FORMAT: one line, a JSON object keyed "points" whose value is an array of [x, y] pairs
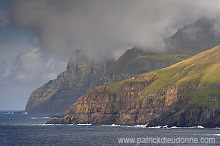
{"points": [[37, 37]]}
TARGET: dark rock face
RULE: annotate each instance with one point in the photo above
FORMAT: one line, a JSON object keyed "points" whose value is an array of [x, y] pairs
{"points": [[136, 61], [55, 96], [123, 105], [188, 117]]}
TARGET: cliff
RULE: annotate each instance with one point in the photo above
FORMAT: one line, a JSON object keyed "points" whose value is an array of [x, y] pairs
{"points": [[136, 61], [184, 94], [85, 74], [56, 95]]}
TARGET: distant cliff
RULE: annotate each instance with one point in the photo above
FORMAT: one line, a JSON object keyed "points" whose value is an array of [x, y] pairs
{"points": [[85, 74], [184, 94], [56, 95], [136, 61]]}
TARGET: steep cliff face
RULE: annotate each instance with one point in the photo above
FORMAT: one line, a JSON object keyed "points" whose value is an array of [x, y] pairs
{"points": [[136, 61], [184, 94], [121, 103], [56, 95], [85, 74]]}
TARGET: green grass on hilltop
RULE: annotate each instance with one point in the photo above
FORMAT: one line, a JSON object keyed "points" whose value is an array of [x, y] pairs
{"points": [[133, 60], [198, 79], [200, 73]]}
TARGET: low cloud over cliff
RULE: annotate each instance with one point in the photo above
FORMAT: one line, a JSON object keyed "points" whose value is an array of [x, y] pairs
{"points": [[102, 27]]}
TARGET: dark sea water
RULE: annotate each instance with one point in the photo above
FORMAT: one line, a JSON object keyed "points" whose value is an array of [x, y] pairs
{"points": [[30, 129]]}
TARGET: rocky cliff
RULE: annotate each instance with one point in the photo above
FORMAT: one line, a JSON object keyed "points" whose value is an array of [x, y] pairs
{"points": [[184, 94], [56, 95], [85, 74], [136, 61]]}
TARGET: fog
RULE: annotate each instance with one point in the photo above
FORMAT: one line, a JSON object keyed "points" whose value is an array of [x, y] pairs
{"points": [[37, 37], [103, 27]]}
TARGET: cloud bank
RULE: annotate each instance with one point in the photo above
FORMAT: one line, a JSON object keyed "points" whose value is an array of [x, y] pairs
{"points": [[35, 35], [103, 27]]}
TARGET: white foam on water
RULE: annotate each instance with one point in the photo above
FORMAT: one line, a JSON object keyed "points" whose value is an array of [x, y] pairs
{"points": [[174, 127], [9, 113], [40, 117], [83, 124], [156, 127], [199, 126], [141, 126], [114, 125], [162, 127], [216, 134]]}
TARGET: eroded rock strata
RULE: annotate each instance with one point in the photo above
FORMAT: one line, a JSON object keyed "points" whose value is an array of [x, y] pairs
{"points": [[124, 104], [85, 74], [184, 94]]}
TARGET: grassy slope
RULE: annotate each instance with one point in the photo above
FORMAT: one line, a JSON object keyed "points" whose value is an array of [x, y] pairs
{"points": [[130, 61], [198, 78]]}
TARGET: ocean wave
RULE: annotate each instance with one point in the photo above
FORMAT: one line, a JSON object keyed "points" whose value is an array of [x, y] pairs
{"points": [[16, 112], [199, 126], [140, 126], [112, 125], [175, 127], [40, 117], [160, 127], [213, 134], [9, 113], [83, 124]]}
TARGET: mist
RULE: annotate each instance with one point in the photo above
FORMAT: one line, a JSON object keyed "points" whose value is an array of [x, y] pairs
{"points": [[38, 37], [105, 27]]}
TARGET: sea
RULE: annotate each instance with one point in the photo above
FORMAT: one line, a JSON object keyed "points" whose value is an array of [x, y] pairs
{"points": [[17, 128]]}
